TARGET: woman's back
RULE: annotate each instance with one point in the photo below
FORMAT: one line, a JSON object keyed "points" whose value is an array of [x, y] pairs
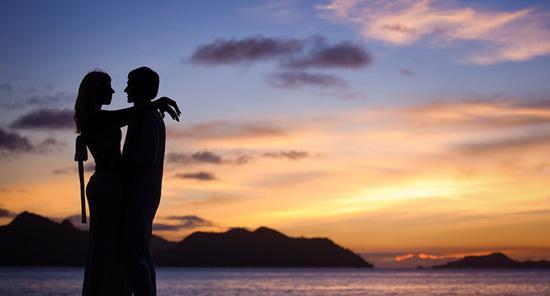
{"points": [[104, 144]]}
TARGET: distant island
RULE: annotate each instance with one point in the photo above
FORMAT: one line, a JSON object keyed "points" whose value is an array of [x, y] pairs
{"points": [[33, 240], [494, 260]]}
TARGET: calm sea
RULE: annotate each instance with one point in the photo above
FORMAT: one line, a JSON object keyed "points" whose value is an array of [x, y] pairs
{"points": [[216, 281]]}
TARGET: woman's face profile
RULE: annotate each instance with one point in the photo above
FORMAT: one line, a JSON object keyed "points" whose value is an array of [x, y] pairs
{"points": [[106, 93]]}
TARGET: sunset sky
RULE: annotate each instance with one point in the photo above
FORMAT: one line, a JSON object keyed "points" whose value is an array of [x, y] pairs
{"points": [[392, 127]]}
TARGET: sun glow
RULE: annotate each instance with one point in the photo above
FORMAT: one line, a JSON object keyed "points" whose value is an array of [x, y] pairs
{"points": [[408, 190]]}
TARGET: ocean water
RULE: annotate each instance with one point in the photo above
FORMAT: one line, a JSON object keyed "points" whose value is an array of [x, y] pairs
{"points": [[270, 281]]}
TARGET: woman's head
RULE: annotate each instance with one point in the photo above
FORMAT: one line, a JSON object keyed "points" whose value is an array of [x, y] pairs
{"points": [[95, 90]]}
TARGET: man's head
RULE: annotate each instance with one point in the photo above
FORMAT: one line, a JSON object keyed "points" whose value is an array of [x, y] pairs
{"points": [[143, 85]]}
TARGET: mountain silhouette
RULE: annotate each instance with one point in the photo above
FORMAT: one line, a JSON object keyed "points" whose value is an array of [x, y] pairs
{"points": [[494, 260], [33, 240], [263, 247]]}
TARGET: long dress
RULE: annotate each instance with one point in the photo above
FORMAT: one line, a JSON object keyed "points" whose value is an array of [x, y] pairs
{"points": [[104, 273]]}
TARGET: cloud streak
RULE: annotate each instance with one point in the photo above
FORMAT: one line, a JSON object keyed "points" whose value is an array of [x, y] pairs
{"points": [[312, 52], [506, 144], [223, 129], [197, 157], [291, 80], [247, 50], [4, 213], [186, 222], [13, 142], [406, 72], [292, 154], [344, 55], [88, 167], [483, 113], [52, 119], [201, 176], [191, 221], [504, 36]]}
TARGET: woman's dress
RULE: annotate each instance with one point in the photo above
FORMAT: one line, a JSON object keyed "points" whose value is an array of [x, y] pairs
{"points": [[104, 272]]}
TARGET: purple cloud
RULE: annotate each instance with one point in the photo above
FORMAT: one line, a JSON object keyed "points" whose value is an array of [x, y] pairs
{"points": [[197, 157], [191, 221], [13, 142], [341, 55], [166, 227], [46, 119], [406, 72], [201, 176], [292, 154], [88, 167], [6, 87], [246, 50], [4, 213]]}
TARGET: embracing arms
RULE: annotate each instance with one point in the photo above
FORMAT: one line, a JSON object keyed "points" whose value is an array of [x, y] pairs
{"points": [[123, 117]]}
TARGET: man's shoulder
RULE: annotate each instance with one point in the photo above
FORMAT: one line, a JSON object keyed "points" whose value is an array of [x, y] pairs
{"points": [[153, 118], [152, 115]]}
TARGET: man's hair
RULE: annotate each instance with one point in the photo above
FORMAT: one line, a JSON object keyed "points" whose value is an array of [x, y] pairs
{"points": [[148, 81]]}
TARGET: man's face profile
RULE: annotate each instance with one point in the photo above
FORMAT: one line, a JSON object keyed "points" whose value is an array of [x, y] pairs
{"points": [[131, 90]]}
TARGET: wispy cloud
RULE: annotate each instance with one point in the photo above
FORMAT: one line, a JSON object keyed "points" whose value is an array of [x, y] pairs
{"points": [[16, 97], [483, 113], [88, 167], [201, 176], [49, 145], [406, 72], [346, 55], [207, 157], [5, 213], [223, 129], [247, 50], [197, 157], [6, 87], [508, 143], [275, 11], [165, 227], [45, 119], [191, 221], [185, 222], [289, 80], [292, 154], [231, 158], [13, 142], [504, 35]]}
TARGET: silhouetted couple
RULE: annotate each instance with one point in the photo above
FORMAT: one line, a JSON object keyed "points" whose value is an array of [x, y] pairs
{"points": [[124, 191]]}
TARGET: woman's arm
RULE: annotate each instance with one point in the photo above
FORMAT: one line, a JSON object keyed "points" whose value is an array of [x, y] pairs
{"points": [[122, 117]]}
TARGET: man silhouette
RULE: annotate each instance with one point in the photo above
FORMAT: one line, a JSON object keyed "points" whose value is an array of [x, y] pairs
{"points": [[143, 158]]}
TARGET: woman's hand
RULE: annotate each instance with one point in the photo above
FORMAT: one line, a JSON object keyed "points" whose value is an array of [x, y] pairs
{"points": [[169, 106]]}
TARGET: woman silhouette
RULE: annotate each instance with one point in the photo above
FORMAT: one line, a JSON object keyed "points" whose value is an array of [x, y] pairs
{"points": [[99, 131]]}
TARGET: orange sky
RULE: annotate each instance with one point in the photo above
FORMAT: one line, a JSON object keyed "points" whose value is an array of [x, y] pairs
{"points": [[468, 174]]}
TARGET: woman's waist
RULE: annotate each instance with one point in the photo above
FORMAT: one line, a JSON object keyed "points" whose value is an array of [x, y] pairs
{"points": [[108, 166]]}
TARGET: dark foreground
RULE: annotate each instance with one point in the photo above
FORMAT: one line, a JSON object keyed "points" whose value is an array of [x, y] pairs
{"points": [[197, 281]]}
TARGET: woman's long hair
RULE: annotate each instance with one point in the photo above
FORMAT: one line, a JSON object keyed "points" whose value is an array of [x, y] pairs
{"points": [[89, 92]]}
